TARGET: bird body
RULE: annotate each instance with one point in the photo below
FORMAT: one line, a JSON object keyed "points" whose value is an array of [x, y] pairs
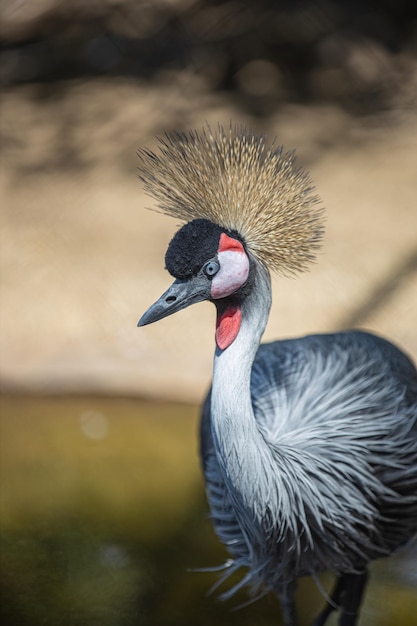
{"points": [[309, 445], [321, 492]]}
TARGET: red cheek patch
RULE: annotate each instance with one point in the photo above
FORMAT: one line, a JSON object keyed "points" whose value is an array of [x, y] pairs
{"points": [[227, 326]]}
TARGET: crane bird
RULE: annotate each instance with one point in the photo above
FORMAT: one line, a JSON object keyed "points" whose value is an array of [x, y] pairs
{"points": [[309, 445]]}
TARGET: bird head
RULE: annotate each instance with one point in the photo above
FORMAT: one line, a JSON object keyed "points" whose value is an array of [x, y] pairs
{"points": [[244, 203], [208, 264]]}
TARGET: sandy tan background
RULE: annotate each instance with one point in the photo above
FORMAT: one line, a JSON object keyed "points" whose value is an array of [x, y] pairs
{"points": [[81, 257]]}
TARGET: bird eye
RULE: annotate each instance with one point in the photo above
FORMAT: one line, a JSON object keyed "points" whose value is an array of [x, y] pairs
{"points": [[211, 268]]}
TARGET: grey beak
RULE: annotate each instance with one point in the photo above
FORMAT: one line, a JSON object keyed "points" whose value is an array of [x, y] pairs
{"points": [[181, 294]]}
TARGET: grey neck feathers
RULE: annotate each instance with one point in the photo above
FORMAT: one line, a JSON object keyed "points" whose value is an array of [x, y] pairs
{"points": [[241, 450]]}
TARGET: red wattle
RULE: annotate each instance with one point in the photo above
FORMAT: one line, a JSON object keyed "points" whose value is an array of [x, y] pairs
{"points": [[227, 326]]}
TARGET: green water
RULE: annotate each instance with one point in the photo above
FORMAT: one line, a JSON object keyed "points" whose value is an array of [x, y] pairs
{"points": [[103, 514]]}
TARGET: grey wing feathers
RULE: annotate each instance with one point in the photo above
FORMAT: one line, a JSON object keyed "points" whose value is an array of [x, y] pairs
{"points": [[347, 399], [354, 381], [343, 403]]}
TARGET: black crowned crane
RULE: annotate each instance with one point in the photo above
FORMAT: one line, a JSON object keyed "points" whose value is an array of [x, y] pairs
{"points": [[309, 445]]}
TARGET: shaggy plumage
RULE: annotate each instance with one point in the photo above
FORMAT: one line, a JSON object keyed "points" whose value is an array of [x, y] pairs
{"points": [[236, 180], [327, 405]]}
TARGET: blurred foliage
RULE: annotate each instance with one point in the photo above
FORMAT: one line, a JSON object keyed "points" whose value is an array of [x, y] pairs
{"points": [[355, 53], [103, 512]]}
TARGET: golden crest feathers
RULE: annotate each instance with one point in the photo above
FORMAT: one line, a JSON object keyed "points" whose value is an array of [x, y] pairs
{"points": [[234, 179]]}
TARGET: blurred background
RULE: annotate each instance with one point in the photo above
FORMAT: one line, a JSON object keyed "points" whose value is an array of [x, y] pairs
{"points": [[103, 511]]}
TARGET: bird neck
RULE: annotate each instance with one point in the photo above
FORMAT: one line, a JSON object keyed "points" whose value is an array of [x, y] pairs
{"points": [[240, 448]]}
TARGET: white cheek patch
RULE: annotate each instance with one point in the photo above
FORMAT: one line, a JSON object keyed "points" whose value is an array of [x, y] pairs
{"points": [[233, 273]]}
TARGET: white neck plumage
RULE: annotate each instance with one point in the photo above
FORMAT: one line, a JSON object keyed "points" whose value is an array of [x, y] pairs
{"points": [[241, 450]]}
